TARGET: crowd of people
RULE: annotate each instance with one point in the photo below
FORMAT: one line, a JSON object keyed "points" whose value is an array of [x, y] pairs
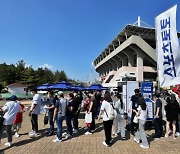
{"points": [[95, 104]]}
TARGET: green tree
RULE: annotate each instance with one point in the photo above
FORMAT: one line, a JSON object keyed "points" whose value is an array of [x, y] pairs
{"points": [[20, 68], [60, 76], [29, 77], [7, 74]]}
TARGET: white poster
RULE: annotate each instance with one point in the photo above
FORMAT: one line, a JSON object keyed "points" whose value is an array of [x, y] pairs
{"points": [[167, 48], [131, 86]]}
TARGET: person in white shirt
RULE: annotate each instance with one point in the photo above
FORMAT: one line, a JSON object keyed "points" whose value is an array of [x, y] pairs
{"points": [[107, 123], [34, 112], [142, 116], [10, 109], [119, 106]]}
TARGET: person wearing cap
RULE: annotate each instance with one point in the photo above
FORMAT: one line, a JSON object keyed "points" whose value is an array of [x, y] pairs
{"points": [[10, 109], [34, 112], [59, 115]]}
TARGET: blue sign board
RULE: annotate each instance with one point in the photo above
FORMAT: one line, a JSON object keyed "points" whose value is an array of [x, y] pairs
{"points": [[147, 91]]}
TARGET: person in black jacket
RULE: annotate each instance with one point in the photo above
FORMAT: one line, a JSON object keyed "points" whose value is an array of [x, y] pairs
{"points": [[50, 107], [134, 105], [77, 107], [171, 109]]}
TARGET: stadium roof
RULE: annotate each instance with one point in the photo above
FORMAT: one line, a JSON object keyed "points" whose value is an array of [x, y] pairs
{"points": [[146, 33]]}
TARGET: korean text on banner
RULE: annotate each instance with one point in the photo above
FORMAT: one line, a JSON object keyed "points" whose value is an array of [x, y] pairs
{"points": [[167, 48]]}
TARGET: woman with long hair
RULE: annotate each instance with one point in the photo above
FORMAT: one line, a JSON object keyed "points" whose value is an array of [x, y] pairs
{"points": [[142, 116], [119, 119], [107, 123], [171, 109]]}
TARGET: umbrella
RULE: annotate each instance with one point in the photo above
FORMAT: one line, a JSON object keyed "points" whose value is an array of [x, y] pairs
{"points": [[44, 86], [61, 86], [96, 87]]}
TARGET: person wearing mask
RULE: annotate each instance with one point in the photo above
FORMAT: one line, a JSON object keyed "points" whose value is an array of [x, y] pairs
{"points": [[69, 115], [59, 115], [50, 108], [133, 106], [119, 106], [141, 112], [34, 112], [107, 123], [10, 109], [76, 110]]}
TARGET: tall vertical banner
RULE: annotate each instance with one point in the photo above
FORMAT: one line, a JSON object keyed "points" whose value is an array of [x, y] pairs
{"points": [[167, 48], [147, 90]]}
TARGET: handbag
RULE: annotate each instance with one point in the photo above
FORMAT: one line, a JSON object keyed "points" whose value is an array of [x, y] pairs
{"points": [[1, 118], [45, 119], [88, 117], [135, 120]]}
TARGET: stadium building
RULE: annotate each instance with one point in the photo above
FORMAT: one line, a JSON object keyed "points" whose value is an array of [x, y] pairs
{"points": [[131, 56]]}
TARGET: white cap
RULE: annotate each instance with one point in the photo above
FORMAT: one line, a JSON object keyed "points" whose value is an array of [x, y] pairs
{"points": [[60, 92]]}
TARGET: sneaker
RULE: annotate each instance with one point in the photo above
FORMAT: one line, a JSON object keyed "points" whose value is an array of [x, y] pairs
{"points": [[111, 141], [177, 134], [88, 133], [85, 128], [156, 137], [8, 144], [137, 141], [64, 134], [68, 136], [145, 147], [105, 144], [123, 138], [31, 132], [57, 140], [115, 134], [75, 131], [16, 135]]}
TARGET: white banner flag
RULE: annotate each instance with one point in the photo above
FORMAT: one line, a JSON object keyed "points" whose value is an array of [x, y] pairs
{"points": [[167, 48]]}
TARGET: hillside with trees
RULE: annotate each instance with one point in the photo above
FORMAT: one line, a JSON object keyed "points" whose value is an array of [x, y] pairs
{"points": [[28, 76]]}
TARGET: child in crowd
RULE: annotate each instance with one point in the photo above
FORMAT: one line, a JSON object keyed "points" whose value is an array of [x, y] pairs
{"points": [[18, 120]]}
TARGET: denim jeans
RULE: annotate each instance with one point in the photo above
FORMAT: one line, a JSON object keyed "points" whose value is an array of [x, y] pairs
{"points": [[119, 120], [51, 123], [59, 122], [141, 134]]}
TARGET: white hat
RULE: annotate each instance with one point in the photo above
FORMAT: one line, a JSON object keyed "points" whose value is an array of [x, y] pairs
{"points": [[60, 92]]}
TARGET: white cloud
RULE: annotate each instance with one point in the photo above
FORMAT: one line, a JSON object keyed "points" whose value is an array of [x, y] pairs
{"points": [[46, 66]]}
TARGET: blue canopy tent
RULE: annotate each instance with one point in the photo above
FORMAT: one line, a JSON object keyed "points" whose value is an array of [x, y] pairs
{"points": [[96, 87], [79, 88], [44, 87], [61, 86]]}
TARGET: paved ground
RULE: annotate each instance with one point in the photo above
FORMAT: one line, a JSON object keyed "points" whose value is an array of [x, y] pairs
{"points": [[82, 144]]}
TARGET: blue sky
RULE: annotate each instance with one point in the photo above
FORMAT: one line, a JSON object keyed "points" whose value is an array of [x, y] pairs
{"points": [[69, 34]]}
